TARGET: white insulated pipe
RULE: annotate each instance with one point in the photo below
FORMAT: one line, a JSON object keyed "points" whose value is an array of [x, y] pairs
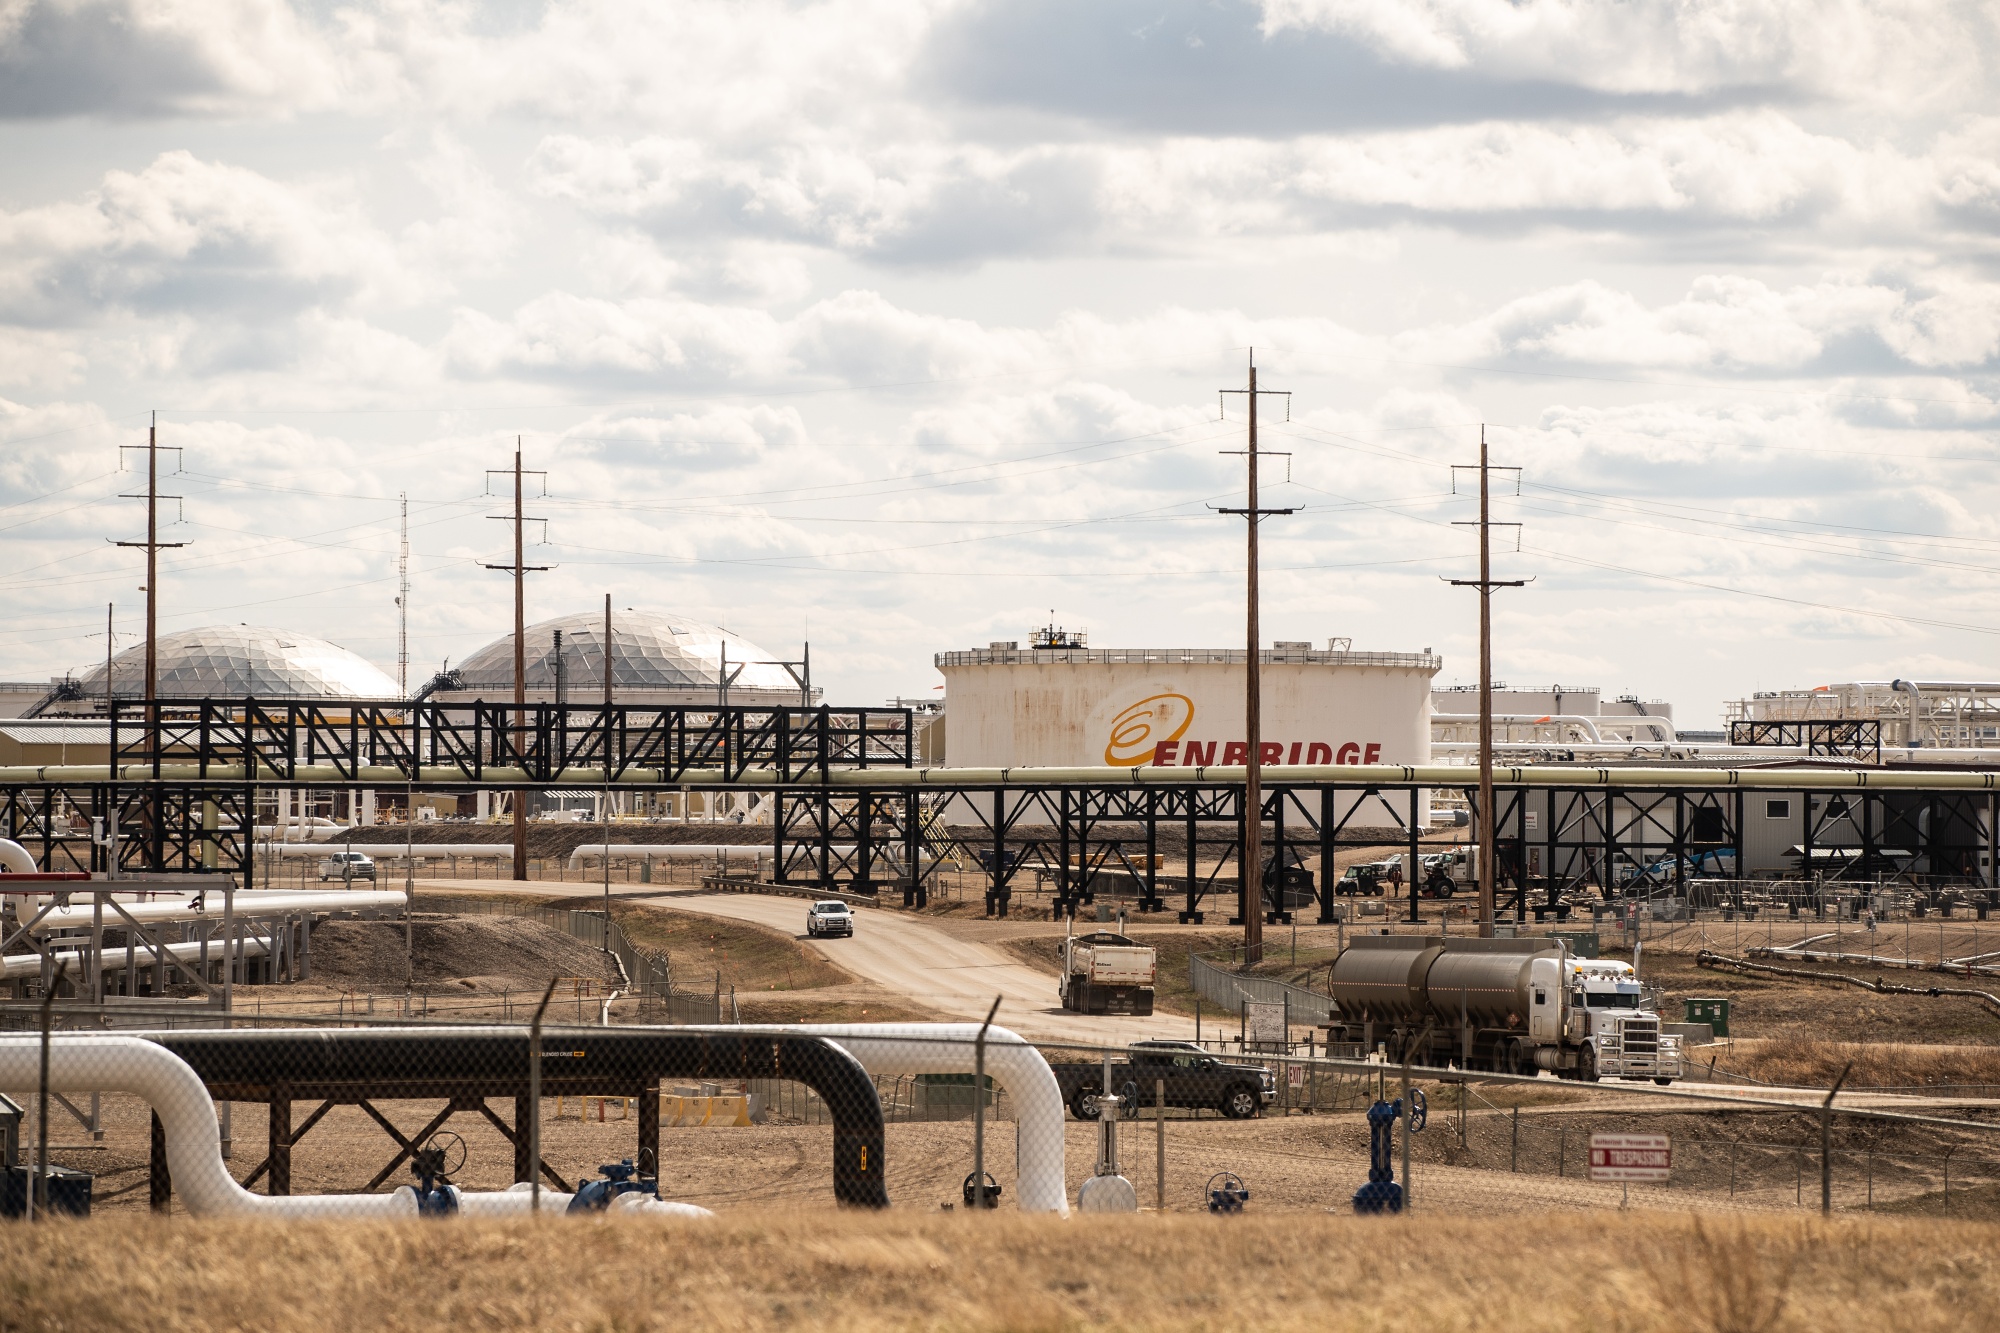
{"points": [[725, 851], [387, 851], [949, 1048], [953, 779], [1587, 723], [668, 851], [30, 964], [94, 1063], [250, 903], [17, 858]]}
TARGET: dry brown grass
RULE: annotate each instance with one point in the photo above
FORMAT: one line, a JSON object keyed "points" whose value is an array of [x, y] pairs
{"points": [[1807, 1062], [752, 1271], [750, 957], [1726, 1280]]}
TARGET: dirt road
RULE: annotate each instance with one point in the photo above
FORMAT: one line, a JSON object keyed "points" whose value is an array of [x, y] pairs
{"points": [[956, 977]]}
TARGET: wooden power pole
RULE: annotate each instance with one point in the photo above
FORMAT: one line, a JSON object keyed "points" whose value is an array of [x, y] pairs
{"points": [[1250, 896], [153, 545], [1486, 583], [520, 571]]}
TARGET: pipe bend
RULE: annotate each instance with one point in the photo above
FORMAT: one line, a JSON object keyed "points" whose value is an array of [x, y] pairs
{"points": [[949, 1048], [17, 859], [79, 1063]]}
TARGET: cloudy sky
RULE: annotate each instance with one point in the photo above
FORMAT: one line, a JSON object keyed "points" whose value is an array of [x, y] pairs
{"points": [[899, 323]]}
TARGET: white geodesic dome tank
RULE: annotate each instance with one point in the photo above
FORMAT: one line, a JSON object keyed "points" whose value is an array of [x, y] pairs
{"points": [[238, 661], [656, 658]]}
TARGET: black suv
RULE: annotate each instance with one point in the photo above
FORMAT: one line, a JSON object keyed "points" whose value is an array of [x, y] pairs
{"points": [[1194, 1078]]}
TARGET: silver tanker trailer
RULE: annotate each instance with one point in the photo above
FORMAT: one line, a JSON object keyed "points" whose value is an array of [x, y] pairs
{"points": [[1513, 1006]]}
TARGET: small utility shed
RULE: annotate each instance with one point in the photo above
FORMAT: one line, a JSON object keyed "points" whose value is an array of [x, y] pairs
{"points": [[54, 740]]}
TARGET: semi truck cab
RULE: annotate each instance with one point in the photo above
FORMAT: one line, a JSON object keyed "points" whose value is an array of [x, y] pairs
{"points": [[1616, 1036]]}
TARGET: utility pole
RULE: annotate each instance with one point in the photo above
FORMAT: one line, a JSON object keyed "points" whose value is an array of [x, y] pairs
{"points": [[520, 571], [1486, 583], [109, 640], [153, 546], [1250, 895], [403, 603], [609, 797]]}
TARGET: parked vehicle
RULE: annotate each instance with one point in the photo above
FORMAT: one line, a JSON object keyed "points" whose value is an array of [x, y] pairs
{"points": [[1513, 1006], [1371, 879], [829, 917], [346, 866], [1719, 864], [1195, 1079], [1107, 973]]}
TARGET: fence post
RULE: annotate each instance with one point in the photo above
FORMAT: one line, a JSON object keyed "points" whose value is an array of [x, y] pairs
{"points": [[1826, 1144], [979, 1109], [535, 1101], [38, 1186], [1514, 1152], [1160, 1144]]}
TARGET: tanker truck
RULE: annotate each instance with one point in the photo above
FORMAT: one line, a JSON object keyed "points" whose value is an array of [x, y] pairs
{"points": [[1511, 1006]]}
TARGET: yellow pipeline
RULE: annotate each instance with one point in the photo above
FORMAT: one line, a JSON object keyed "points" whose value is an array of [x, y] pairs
{"points": [[879, 779]]}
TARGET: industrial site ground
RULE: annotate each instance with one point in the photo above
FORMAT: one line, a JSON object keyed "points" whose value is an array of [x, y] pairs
{"points": [[1490, 1149], [761, 1269]]}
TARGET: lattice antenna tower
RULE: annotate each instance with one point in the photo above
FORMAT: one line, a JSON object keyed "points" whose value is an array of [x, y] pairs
{"points": [[403, 603]]}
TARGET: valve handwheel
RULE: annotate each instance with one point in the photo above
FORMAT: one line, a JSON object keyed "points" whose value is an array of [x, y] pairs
{"points": [[1419, 1109], [450, 1150]]}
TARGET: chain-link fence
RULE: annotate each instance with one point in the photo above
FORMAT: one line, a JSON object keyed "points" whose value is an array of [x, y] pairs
{"points": [[351, 1116], [360, 1119]]}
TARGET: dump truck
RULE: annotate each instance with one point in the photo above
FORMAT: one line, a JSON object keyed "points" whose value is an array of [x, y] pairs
{"points": [[1510, 1006], [1107, 973]]}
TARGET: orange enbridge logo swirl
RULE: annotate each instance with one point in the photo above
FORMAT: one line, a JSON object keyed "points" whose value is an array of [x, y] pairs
{"points": [[1134, 732]]}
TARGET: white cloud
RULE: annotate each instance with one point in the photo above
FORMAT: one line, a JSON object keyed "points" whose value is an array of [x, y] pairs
{"points": [[1732, 323], [936, 295], [185, 234], [1850, 48], [141, 57], [938, 202]]}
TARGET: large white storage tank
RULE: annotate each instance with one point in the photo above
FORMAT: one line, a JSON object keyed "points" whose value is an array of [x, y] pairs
{"points": [[1008, 707]]}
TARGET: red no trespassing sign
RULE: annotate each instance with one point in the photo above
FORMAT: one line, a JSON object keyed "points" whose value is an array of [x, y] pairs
{"points": [[1631, 1157]]}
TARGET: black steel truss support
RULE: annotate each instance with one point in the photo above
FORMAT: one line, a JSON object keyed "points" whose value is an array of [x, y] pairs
{"points": [[430, 742], [1144, 843], [1840, 738]]}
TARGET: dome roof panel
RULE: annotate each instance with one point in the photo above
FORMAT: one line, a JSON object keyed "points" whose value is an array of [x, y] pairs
{"points": [[651, 651], [235, 661]]}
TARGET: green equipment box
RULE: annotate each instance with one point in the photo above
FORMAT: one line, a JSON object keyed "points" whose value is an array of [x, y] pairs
{"points": [[1582, 943], [1713, 1011]]}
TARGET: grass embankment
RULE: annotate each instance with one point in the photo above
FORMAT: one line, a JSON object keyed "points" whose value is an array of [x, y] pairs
{"points": [[1768, 1006], [750, 1271], [750, 958], [1806, 1062], [775, 977]]}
